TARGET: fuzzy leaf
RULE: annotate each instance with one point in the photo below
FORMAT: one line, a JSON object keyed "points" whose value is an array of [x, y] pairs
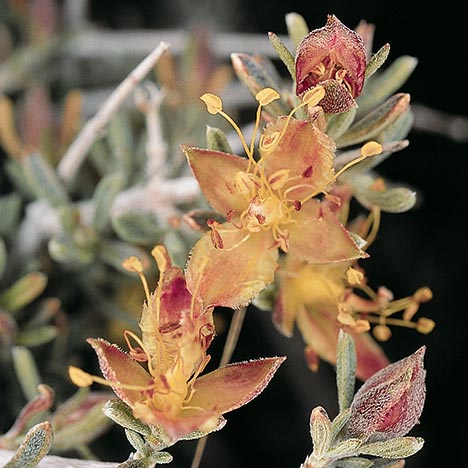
{"points": [[113, 253], [43, 181], [320, 431], [283, 53], [26, 371], [136, 441], [375, 122], [10, 207], [345, 369], [377, 60], [137, 228], [23, 291], [384, 84], [400, 447], [354, 462], [37, 336], [63, 249], [107, 189], [121, 143], [216, 140], [339, 123], [345, 448], [339, 422], [34, 447], [297, 28]]}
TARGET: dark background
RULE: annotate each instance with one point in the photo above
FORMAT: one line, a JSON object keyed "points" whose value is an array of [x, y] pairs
{"points": [[426, 246]]}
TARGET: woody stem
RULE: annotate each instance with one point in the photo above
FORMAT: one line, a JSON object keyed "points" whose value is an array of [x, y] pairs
{"points": [[229, 347]]}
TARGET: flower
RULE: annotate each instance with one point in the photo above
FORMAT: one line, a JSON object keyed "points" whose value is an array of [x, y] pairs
{"points": [[390, 403], [176, 333], [334, 57], [270, 204]]}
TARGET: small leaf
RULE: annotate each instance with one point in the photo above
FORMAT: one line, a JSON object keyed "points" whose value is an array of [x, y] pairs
{"points": [[35, 446], [106, 190], [400, 447], [384, 84], [216, 140], [120, 141], [10, 207], [283, 53], [9, 138], [23, 291], [37, 336], [136, 441], [345, 369], [375, 122], [354, 462], [162, 458], [113, 253], [140, 463], [43, 181], [64, 249], [297, 28], [338, 123], [26, 371], [320, 430], [339, 423], [377, 60], [137, 228], [345, 448]]}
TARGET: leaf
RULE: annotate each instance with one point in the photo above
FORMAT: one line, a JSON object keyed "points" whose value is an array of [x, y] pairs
{"points": [[283, 53], [137, 442], [384, 84], [320, 430], [216, 140], [26, 371], [345, 448], [64, 249], [377, 60], [106, 190], [297, 28], [339, 123], [10, 207], [23, 291], [345, 370], [122, 414], [354, 462], [3, 257], [113, 253], [121, 144], [43, 181], [137, 228], [35, 446], [375, 122], [339, 422], [400, 447], [37, 336]]}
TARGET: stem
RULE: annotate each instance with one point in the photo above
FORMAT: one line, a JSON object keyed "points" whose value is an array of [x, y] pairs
{"points": [[229, 347], [78, 150]]}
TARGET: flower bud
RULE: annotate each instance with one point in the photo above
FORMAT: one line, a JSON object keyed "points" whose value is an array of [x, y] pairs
{"points": [[390, 402]]}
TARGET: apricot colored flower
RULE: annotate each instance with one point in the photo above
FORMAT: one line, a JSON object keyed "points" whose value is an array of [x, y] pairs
{"points": [[270, 204], [176, 333], [334, 57]]}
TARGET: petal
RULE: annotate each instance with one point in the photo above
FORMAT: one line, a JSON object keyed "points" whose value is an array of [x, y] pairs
{"points": [[337, 97], [231, 276], [318, 236], [320, 330], [234, 385], [215, 172], [306, 151], [284, 314], [118, 367]]}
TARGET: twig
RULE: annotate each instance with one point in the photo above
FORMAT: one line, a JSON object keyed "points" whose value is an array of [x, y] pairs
{"points": [[229, 347], [78, 150]]}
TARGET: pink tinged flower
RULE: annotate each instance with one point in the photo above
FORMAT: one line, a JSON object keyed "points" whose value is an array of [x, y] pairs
{"points": [[269, 205], [388, 405], [205, 400], [334, 57]]}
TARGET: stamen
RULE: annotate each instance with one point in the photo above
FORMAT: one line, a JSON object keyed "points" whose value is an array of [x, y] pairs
{"points": [[354, 276], [129, 334], [313, 96], [214, 104], [134, 265], [197, 287]]}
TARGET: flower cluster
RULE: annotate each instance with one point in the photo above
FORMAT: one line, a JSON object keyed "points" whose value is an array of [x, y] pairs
{"points": [[280, 235]]}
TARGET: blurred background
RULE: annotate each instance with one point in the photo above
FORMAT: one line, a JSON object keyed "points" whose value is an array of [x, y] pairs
{"points": [[424, 247]]}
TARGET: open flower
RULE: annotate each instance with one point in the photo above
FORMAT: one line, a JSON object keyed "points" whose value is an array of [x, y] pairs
{"points": [[270, 204], [334, 57], [176, 333]]}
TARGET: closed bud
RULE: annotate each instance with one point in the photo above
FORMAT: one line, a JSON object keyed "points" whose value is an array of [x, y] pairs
{"points": [[390, 402]]}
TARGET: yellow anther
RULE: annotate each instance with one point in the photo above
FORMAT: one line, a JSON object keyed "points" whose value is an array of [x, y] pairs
{"points": [[133, 264], [279, 178], [371, 148], [313, 96], [382, 332], [354, 276], [213, 103], [80, 377], [266, 96], [268, 142], [423, 294], [425, 325], [361, 326], [345, 314], [161, 256]]}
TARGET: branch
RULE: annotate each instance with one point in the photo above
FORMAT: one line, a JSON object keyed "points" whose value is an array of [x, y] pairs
{"points": [[78, 150]]}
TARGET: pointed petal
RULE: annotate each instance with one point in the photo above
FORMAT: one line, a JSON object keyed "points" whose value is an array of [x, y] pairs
{"points": [[306, 151], [231, 276], [118, 367], [232, 386], [215, 172], [318, 236], [284, 314]]}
